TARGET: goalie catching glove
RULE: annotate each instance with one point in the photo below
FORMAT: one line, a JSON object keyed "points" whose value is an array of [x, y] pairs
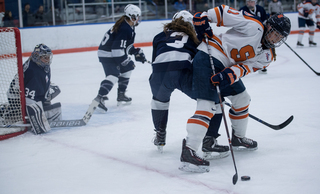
{"points": [[202, 26], [53, 92], [224, 79]]}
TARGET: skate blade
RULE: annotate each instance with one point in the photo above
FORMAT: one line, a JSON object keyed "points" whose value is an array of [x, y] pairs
{"points": [[215, 155], [187, 167], [123, 103], [243, 149], [100, 110], [160, 149]]}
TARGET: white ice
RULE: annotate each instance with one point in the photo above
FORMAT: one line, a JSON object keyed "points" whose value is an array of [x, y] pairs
{"points": [[114, 153]]}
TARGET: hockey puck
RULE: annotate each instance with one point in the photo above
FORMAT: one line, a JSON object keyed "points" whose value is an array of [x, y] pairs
{"points": [[245, 178]]}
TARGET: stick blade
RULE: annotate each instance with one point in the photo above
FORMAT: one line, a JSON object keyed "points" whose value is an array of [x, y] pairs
{"points": [[282, 125], [235, 178]]}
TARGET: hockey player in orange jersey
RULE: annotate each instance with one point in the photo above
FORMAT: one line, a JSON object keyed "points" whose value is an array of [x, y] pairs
{"points": [[306, 10], [243, 49]]}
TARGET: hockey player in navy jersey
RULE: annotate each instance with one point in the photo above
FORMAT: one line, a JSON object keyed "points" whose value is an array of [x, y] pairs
{"points": [[173, 52], [113, 53], [254, 9], [38, 90], [235, 54]]}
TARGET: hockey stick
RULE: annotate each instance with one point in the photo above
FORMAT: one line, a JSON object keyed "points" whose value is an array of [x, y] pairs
{"points": [[53, 124], [63, 123], [275, 127], [317, 73], [235, 176]]}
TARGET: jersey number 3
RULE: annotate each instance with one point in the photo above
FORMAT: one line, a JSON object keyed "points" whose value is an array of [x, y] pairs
{"points": [[178, 43]]}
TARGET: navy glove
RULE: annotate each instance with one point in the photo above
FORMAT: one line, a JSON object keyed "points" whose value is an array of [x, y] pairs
{"points": [[139, 55], [224, 79], [305, 13], [201, 25], [318, 25]]}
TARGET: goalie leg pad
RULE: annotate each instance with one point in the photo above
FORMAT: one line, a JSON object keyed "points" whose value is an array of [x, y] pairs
{"points": [[37, 118], [53, 112]]}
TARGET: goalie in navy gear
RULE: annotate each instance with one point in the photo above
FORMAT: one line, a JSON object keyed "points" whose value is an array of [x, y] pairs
{"points": [[38, 90], [113, 53]]}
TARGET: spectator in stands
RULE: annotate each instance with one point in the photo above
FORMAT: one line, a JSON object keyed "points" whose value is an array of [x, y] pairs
{"points": [[274, 7], [48, 17], [254, 9], [39, 16], [179, 5], [27, 21], [8, 19]]}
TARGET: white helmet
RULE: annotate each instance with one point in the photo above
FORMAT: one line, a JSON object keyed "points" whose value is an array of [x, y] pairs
{"points": [[134, 13], [186, 16]]}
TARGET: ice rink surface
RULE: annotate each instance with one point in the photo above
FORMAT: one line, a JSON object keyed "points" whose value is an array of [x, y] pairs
{"points": [[114, 152]]}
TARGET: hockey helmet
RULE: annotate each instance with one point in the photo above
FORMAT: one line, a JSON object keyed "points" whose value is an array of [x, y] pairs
{"points": [[186, 16], [42, 55], [251, 4], [278, 28], [133, 12]]}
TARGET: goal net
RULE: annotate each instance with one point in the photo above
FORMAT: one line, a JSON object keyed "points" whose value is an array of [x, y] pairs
{"points": [[12, 110]]}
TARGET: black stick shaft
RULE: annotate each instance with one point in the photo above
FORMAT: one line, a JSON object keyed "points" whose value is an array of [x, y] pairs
{"points": [[235, 176], [317, 73]]}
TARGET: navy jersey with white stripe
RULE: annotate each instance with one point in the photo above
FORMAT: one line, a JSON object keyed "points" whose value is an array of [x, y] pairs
{"points": [[116, 45], [172, 51]]}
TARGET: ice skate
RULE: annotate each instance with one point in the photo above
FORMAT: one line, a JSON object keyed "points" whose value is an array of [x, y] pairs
{"points": [[212, 150], [191, 162], [123, 99], [160, 139], [263, 71], [311, 43], [299, 44], [101, 104], [242, 144]]}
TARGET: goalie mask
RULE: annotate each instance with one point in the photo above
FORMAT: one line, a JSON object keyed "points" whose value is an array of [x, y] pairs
{"points": [[186, 16], [277, 29], [42, 55], [134, 13]]}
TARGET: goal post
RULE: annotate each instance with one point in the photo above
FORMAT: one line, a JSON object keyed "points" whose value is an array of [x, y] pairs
{"points": [[11, 68]]}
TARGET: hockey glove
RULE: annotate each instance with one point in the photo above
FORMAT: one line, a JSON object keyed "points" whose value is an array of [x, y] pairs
{"points": [[202, 26], [139, 56], [53, 92], [318, 25], [224, 79], [305, 13]]}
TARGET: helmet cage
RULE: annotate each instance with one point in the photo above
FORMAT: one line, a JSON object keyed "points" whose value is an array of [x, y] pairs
{"points": [[278, 28], [42, 55], [134, 13], [273, 38]]}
